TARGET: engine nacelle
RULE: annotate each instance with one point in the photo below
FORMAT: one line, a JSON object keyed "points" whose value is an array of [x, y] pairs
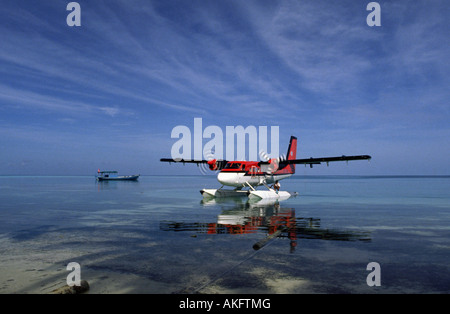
{"points": [[212, 164]]}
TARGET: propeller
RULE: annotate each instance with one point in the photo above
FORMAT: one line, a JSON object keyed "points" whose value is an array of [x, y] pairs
{"points": [[273, 162], [211, 165]]}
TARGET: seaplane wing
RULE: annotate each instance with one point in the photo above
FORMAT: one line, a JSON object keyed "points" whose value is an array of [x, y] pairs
{"points": [[184, 161], [317, 161], [214, 164]]}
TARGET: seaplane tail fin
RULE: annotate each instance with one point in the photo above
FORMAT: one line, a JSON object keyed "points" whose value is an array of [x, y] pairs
{"points": [[292, 150], [291, 154]]}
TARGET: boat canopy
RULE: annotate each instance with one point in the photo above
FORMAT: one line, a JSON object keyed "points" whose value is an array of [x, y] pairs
{"points": [[107, 172]]}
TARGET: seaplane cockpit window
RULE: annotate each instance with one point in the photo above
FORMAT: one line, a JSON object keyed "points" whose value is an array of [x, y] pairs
{"points": [[233, 165]]}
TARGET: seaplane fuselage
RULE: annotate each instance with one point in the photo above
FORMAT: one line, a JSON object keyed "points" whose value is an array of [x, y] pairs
{"points": [[242, 173]]}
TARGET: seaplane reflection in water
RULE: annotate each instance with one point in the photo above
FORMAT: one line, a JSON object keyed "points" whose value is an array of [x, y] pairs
{"points": [[265, 216]]}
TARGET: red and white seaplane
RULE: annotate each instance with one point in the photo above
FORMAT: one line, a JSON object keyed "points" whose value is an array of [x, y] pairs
{"points": [[250, 174]]}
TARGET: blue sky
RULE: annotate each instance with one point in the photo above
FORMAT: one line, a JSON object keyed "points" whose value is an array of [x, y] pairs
{"points": [[108, 94]]}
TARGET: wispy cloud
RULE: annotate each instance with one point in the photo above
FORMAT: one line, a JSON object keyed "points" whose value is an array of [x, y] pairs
{"points": [[318, 41], [312, 67], [20, 98], [46, 60], [369, 76], [197, 61], [199, 56]]}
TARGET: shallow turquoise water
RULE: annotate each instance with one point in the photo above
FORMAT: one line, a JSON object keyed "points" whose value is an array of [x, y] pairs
{"points": [[161, 229]]}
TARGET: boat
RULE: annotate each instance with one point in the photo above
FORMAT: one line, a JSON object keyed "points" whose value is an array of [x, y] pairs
{"points": [[113, 176]]}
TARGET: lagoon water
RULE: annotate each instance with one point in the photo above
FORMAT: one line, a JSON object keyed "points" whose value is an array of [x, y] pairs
{"points": [[158, 235]]}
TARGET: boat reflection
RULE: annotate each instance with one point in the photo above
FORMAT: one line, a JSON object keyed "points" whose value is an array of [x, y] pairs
{"points": [[266, 217], [114, 185]]}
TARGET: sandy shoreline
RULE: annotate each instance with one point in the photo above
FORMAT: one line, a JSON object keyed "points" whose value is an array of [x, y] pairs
{"points": [[33, 277], [30, 268]]}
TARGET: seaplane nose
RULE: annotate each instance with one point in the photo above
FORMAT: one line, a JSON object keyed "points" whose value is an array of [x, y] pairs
{"points": [[226, 178]]}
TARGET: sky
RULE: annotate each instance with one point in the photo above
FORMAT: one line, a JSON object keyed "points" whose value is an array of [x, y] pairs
{"points": [[107, 94]]}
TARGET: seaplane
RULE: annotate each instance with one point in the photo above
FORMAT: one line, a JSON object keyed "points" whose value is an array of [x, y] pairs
{"points": [[245, 176]]}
